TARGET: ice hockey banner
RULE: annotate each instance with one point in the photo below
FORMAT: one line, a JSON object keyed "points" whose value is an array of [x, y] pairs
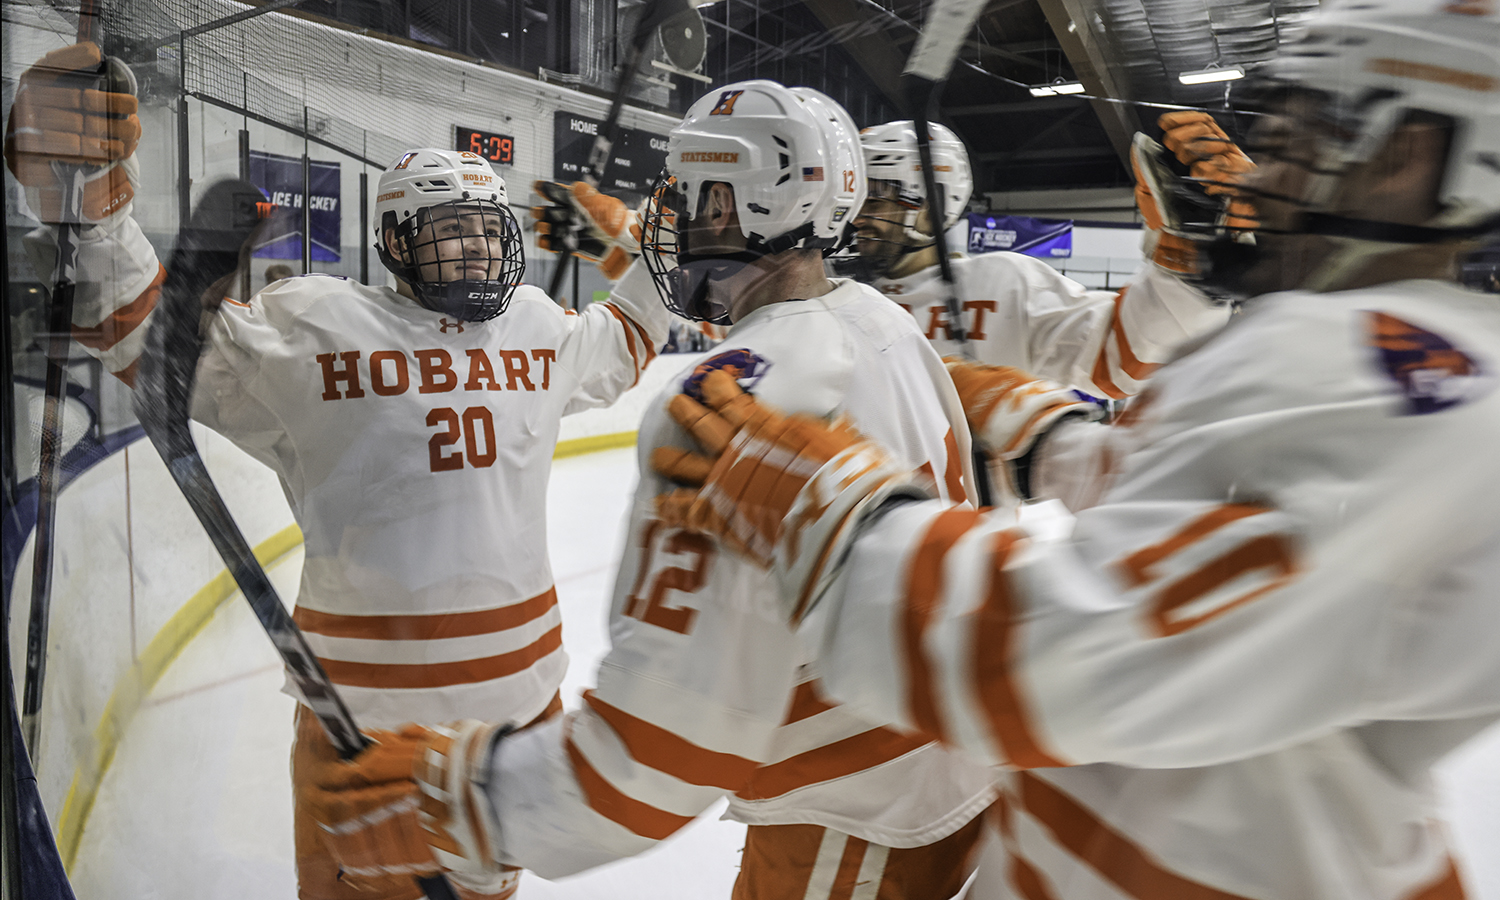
{"points": [[1047, 238], [280, 177]]}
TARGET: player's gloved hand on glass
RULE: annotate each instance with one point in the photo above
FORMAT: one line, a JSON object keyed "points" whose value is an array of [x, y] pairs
{"points": [[1180, 212], [411, 804], [600, 227], [784, 491], [75, 108]]}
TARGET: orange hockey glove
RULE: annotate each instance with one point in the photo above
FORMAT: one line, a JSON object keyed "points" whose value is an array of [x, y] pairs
{"points": [[1212, 158], [603, 228], [413, 803], [785, 491], [74, 107], [1009, 410]]}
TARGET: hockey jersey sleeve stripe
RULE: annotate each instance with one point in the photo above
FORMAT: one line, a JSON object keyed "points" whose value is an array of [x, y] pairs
{"points": [[654, 746], [1127, 364], [835, 760], [924, 592], [122, 321], [1123, 863], [953, 469], [608, 801], [1448, 886], [625, 324], [1136, 568], [1030, 883], [128, 373], [432, 675], [994, 653], [806, 703], [426, 627]]}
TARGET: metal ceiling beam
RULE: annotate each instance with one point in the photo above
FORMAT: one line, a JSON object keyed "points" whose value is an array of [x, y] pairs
{"points": [[1071, 22], [1046, 104], [1044, 154], [876, 53]]}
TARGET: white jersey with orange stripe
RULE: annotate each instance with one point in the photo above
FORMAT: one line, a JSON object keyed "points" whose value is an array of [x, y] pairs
{"points": [[1021, 312], [702, 692], [1232, 680], [414, 451]]}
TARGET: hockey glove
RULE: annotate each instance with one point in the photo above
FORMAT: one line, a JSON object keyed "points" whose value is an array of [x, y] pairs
{"points": [[1181, 213], [600, 227], [784, 491], [74, 107], [413, 803], [1009, 411]]}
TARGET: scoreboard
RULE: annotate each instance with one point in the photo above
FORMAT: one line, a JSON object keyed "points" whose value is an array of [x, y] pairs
{"points": [[497, 148], [636, 158]]}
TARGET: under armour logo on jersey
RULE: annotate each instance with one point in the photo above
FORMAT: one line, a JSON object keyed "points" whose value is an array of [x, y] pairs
{"points": [[444, 325], [1431, 373], [746, 366], [725, 106]]}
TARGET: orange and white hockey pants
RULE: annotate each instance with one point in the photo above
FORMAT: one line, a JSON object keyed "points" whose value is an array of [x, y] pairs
{"points": [[810, 862], [317, 872]]}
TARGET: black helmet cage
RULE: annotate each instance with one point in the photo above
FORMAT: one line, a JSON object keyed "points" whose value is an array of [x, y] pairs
{"points": [[682, 277], [466, 300]]}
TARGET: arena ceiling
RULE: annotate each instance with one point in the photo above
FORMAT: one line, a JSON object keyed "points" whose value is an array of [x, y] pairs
{"points": [[1123, 52]]}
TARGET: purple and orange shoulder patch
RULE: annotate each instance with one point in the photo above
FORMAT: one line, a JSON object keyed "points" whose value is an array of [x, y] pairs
{"points": [[747, 367], [1429, 371]]}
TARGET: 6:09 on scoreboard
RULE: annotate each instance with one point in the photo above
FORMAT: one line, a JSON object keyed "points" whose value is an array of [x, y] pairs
{"points": [[497, 148]]}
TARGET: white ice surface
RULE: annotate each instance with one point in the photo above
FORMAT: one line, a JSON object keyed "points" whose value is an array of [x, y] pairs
{"points": [[197, 804]]}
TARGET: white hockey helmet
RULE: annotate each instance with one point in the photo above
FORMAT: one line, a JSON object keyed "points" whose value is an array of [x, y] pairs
{"points": [[1374, 62], [890, 152], [791, 155], [422, 180]]}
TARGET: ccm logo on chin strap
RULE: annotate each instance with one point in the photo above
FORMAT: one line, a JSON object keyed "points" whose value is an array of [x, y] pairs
{"points": [[725, 106]]}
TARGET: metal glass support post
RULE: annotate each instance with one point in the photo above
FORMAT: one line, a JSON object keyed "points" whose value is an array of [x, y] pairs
{"points": [[306, 200]]}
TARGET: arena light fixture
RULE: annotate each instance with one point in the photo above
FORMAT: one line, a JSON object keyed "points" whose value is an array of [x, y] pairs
{"points": [[1212, 74], [1052, 90]]}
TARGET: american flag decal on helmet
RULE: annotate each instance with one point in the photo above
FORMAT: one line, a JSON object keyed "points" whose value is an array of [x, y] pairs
{"points": [[812, 173], [1431, 373]]}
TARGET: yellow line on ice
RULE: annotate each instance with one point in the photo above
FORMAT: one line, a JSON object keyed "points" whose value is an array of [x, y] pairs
{"points": [[168, 644], [594, 443]]}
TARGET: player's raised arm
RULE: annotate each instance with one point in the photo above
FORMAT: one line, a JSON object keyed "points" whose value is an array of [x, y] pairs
{"points": [[1110, 343], [1180, 626]]}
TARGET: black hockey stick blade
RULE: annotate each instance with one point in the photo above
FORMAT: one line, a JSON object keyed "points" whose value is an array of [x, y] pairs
{"points": [[208, 251]]}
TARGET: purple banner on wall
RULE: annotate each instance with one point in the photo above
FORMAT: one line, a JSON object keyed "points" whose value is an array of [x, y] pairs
{"points": [[1047, 238], [280, 177]]}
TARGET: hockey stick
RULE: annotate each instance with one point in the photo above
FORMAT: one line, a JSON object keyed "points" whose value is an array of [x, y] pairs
{"points": [[922, 82], [208, 250], [653, 13], [58, 343]]}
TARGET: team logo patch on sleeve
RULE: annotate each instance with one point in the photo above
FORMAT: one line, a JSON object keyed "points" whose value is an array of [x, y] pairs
{"points": [[747, 367], [1429, 371]]}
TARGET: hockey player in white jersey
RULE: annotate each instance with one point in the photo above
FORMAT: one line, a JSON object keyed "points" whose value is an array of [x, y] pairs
{"points": [[702, 692], [1017, 310], [1234, 677], [412, 429]]}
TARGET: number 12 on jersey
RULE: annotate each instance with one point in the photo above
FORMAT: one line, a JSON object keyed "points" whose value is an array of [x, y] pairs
{"points": [[677, 562]]}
